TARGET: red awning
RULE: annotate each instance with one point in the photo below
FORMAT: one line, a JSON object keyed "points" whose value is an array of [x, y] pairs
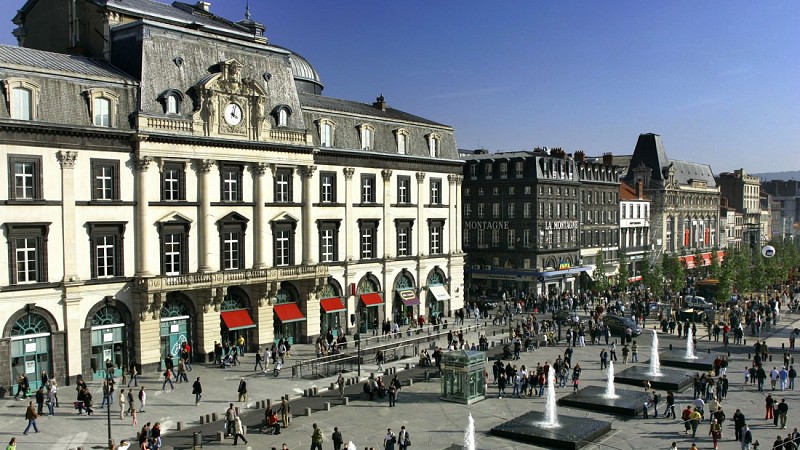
{"points": [[331, 305], [720, 256], [635, 279], [408, 297], [288, 312], [689, 261], [238, 319], [373, 299], [706, 259]]}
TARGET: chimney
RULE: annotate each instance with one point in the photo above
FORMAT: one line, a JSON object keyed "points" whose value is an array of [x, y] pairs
{"points": [[608, 159], [380, 103], [580, 156], [205, 6], [640, 189]]}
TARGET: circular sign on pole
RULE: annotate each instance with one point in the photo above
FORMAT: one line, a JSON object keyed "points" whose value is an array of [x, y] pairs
{"points": [[767, 251]]}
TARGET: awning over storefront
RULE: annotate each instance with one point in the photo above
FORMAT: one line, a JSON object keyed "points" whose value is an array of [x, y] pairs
{"points": [[408, 297], [635, 279], [689, 261], [289, 312], [439, 292], [332, 305], [720, 256], [372, 299], [238, 319], [706, 259]]}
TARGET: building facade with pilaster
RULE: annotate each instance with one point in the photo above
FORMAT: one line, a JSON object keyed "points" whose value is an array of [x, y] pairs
{"points": [[184, 180]]}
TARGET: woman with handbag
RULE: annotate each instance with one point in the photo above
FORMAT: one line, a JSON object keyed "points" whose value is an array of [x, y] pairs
{"points": [[715, 431], [389, 440]]}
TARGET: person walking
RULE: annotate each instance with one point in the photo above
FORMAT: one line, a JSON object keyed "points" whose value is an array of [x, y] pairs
{"points": [[738, 424], [142, 399], [230, 418], [51, 400], [286, 412], [31, 416], [715, 430], [121, 400], [40, 400], [107, 400], [242, 390], [747, 437], [389, 440], [403, 438], [694, 420], [131, 403], [197, 390], [340, 384], [392, 395], [670, 406], [316, 438], [239, 431], [769, 404], [167, 379], [259, 361], [133, 416], [782, 412], [134, 375], [336, 437]]}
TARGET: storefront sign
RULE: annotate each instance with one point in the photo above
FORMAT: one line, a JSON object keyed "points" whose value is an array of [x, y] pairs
{"points": [[407, 294], [174, 328], [30, 347], [108, 337], [486, 225], [30, 367], [561, 225], [106, 354]]}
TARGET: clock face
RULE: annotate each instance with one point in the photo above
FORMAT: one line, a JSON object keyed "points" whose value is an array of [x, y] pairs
{"points": [[233, 114]]}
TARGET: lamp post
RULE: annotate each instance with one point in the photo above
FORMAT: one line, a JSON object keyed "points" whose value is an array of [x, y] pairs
{"points": [[108, 422], [357, 338]]}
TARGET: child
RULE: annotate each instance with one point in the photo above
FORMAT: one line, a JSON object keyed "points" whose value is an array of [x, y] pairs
{"points": [[575, 385], [133, 415], [644, 410]]}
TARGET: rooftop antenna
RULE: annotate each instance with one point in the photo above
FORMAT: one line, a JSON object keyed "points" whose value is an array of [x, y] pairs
{"points": [[247, 9]]}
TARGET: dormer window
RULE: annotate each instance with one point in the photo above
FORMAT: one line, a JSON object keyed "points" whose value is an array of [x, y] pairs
{"points": [[367, 135], [171, 100], [326, 132], [402, 141], [23, 98], [103, 104], [433, 145], [281, 114]]}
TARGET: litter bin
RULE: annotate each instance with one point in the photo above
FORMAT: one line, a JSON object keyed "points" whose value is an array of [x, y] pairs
{"points": [[198, 439]]}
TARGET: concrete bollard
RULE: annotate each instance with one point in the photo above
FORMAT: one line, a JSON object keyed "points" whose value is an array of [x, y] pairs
{"points": [[408, 366], [212, 418], [670, 347], [748, 356], [345, 400], [770, 358], [305, 392], [327, 406], [745, 342], [180, 426], [269, 404], [410, 382], [314, 389], [220, 436], [709, 351], [333, 386], [307, 411], [729, 353], [202, 420], [783, 345], [244, 429]]}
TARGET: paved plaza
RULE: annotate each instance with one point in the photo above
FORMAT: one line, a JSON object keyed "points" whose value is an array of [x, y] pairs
{"points": [[432, 423]]}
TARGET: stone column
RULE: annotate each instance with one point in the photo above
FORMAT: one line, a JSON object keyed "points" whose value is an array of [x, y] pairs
{"points": [[208, 318], [452, 210], [67, 161], [147, 329], [459, 220], [386, 225], [260, 226], [349, 224], [309, 253], [143, 244], [420, 223], [205, 249], [73, 319]]}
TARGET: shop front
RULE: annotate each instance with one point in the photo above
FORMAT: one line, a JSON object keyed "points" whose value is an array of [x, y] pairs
{"points": [[109, 342], [30, 349], [369, 302], [405, 304], [175, 324], [332, 309], [289, 318], [235, 320], [438, 298]]}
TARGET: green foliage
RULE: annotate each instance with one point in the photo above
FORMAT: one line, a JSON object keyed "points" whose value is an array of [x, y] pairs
{"points": [[600, 282], [715, 268], [624, 274], [652, 277], [674, 273]]}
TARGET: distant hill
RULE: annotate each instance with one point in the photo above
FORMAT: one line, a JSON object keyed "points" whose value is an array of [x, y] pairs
{"points": [[769, 176]]}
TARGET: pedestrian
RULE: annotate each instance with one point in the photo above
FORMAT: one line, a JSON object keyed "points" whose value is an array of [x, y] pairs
{"points": [[31, 416], [783, 411], [715, 430], [398, 386], [51, 400], [404, 439], [738, 424], [670, 411], [22, 386], [107, 394], [40, 400], [12, 444], [340, 384], [747, 437], [336, 437], [770, 407], [142, 399], [242, 390], [230, 417], [286, 412], [694, 421], [259, 361], [131, 405], [134, 374], [155, 436], [645, 410], [239, 431], [656, 398], [133, 416], [389, 440], [122, 401], [316, 438], [197, 390], [674, 446], [167, 379], [392, 395]]}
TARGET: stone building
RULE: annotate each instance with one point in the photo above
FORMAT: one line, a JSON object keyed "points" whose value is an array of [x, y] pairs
{"points": [[634, 228], [521, 221], [684, 212], [786, 217], [175, 177], [742, 192]]}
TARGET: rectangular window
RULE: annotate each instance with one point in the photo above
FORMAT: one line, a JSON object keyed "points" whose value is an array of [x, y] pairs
{"points": [[496, 210], [231, 187], [401, 143], [480, 192], [512, 238], [26, 255], [526, 210], [230, 250], [403, 190], [467, 210], [25, 177], [436, 229], [512, 210], [527, 190], [107, 249], [495, 238], [518, 169], [21, 104], [436, 191], [404, 237], [465, 240], [503, 170], [512, 190], [368, 188], [283, 237], [481, 210], [327, 187], [173, 182], [326, 135], [105, 179], [102, 112], [173, 243], [366, 138], [487, 171], [283, 185], [329, 241], [368, 239], [481, 238], [473, 171], [526, 239]]}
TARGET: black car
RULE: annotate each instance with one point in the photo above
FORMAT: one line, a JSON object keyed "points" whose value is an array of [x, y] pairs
{"points": [[618, 324], [565, 316]]}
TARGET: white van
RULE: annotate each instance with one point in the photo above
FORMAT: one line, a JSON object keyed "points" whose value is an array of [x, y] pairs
{"points": [[695, 301]]}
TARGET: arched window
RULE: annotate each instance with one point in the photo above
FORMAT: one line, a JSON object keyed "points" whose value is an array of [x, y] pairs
{"points": [[30, 324], [174, 307], [107, 315], [283, 118]]}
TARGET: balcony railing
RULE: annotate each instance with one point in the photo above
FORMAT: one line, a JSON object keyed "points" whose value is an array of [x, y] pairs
{"points": [[163, 283]]}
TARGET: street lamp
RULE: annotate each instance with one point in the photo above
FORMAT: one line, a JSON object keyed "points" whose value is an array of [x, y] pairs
{"points": [[108, 422]]}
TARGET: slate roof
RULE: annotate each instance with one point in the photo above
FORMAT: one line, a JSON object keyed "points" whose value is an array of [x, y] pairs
{"points": [[502, 155], [347, 106], [650, 152], [48, 61], [685, 171], [182, 13]]}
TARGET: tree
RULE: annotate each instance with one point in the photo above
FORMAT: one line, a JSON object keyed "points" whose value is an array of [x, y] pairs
{"points": [[716, 267], [623, 273], [674, 273], [651, 277], [600, 280]]}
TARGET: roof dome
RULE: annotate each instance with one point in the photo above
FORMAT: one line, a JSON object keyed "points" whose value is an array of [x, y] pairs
{"points": [[305, 77]]}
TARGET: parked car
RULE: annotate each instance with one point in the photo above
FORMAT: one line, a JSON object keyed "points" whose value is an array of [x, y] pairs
{"points": [[697, 302], [618, 325], [566, 316]]}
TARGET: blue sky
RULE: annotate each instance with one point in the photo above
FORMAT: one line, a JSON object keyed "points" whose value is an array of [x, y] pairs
{"points": [[718, 80]]}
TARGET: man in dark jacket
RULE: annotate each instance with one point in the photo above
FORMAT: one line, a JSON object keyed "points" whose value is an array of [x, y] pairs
{"points": [[197, 390], [337, 439], [783, 410], [738, 424]]}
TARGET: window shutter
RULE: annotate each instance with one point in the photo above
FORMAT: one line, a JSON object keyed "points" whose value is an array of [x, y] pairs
{"points": [[116, 182]]}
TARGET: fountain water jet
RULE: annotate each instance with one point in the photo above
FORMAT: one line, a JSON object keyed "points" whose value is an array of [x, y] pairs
{"points": [[550, 414], [690, 345], [655, 363], [351, 446], [469, 434], [610, 391]]}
